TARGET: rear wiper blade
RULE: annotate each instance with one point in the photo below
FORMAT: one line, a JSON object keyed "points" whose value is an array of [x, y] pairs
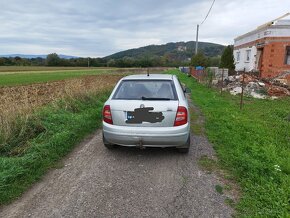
{"points": [[155, 99]]}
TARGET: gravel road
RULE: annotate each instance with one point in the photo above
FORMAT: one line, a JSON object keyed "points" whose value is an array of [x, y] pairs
{"points": [[125, 182]]}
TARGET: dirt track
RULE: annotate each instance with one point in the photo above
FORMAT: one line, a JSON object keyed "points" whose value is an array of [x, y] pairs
{"points": [[125, 182]]}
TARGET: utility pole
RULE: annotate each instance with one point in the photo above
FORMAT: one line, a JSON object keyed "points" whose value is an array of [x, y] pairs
{"points": [[88, 62], [196, 41]]}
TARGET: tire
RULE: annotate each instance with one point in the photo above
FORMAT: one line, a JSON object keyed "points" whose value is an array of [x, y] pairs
{"points": [[186, 147], [107, 144]]}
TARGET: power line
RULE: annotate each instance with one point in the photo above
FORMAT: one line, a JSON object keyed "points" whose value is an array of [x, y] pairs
{"points": [[197, 29], [208, 12]]}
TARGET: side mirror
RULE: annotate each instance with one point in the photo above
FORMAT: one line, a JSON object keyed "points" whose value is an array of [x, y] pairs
{"points": [[187, 90]]}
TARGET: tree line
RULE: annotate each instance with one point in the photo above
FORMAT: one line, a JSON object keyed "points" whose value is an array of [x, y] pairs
{"points": [[52, 60], [226, 60]]}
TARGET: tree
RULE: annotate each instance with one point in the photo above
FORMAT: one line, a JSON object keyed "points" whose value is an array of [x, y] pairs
{"points": [[2, 62], [214, 61], [227, 59], [53, 60], [199, 60], [111, 63]]}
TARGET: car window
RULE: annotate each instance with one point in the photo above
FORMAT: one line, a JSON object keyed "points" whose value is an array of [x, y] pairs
{"points": [[149, 89]]}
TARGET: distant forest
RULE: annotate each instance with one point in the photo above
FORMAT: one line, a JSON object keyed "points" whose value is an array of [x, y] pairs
{"points": [[168, 55]]}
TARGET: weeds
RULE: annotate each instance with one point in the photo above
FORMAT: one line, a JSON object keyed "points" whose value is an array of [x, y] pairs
{"points": [[49, 134], [207, 164], [195, 123], [230, 202], [219, 189]]}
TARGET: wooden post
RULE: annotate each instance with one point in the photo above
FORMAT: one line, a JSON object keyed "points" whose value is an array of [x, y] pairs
{"points": [[222, 84], [242, 94]]}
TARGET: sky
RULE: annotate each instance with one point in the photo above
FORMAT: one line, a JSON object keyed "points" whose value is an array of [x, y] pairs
{"points": [[98, 28]]}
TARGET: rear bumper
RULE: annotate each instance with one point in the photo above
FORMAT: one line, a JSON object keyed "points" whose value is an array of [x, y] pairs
{"points": [[147, 136]]}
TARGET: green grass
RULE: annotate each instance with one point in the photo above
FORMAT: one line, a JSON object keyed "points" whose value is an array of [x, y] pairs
{"points": [[253, 144], [11, 76], [6, 69], [46, 137], [39, 77], [195, 125]]}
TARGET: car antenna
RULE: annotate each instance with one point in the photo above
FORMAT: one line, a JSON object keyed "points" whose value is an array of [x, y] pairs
{"points": [[148, 72]]}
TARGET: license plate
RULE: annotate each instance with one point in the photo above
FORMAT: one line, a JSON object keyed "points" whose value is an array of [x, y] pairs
{"points": [[140, 115]]}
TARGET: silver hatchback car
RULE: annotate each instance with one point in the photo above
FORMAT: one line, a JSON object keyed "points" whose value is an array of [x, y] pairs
{"points": [[147, 111]]}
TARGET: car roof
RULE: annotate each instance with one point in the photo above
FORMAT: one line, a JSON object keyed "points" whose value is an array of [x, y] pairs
{"points": [[151, 76]]}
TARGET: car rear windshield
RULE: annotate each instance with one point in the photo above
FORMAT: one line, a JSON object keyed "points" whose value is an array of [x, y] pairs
{"points": [[146, 90]]}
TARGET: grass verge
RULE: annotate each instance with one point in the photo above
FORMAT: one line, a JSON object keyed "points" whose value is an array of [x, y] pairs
{"points": [[253, 144], [25, 78], [195, 123], [47, 136], [13, 69]]}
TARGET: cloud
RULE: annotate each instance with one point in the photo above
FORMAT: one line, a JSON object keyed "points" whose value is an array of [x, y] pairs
{"points": [[99, 28]]}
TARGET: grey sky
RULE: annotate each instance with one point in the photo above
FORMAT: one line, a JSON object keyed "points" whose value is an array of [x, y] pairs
{"points": [[98, 28]]}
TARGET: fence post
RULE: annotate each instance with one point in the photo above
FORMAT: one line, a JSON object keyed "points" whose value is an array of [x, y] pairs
{"points": [[242, 94], [222, 84]]}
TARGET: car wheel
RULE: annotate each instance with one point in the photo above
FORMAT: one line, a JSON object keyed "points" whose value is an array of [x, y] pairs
{"points": [[185, 149], [108, 144]]}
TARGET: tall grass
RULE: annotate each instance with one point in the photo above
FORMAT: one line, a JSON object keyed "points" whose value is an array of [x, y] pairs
{"points": [[17, 103], [43, 138], [253, 144]]}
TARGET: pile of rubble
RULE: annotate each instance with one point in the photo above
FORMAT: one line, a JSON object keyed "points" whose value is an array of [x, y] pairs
{"points": [[255, 87]]}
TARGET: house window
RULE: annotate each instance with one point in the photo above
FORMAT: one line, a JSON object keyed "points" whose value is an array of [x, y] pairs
{"points": [[238, 56], [287, 59], [248, 55]]}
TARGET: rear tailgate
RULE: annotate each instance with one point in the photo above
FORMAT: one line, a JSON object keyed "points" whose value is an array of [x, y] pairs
{"points": [[144, 113]]}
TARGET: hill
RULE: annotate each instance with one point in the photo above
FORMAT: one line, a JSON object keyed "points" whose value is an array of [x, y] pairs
{"points": [[179, 51]]}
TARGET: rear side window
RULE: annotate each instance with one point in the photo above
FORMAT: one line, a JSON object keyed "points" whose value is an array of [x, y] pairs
{"points": [[146, 89]]}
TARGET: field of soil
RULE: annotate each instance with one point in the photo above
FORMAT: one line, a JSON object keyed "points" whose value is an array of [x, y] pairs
{"points": [[42, 93]]}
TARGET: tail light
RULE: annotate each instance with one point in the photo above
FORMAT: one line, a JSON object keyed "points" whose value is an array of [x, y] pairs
{"points": [[107, 115], [181, 116]]}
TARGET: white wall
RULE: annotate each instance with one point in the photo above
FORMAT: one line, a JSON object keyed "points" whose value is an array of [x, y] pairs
{"points": [[243, 63], [272, 31]]}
